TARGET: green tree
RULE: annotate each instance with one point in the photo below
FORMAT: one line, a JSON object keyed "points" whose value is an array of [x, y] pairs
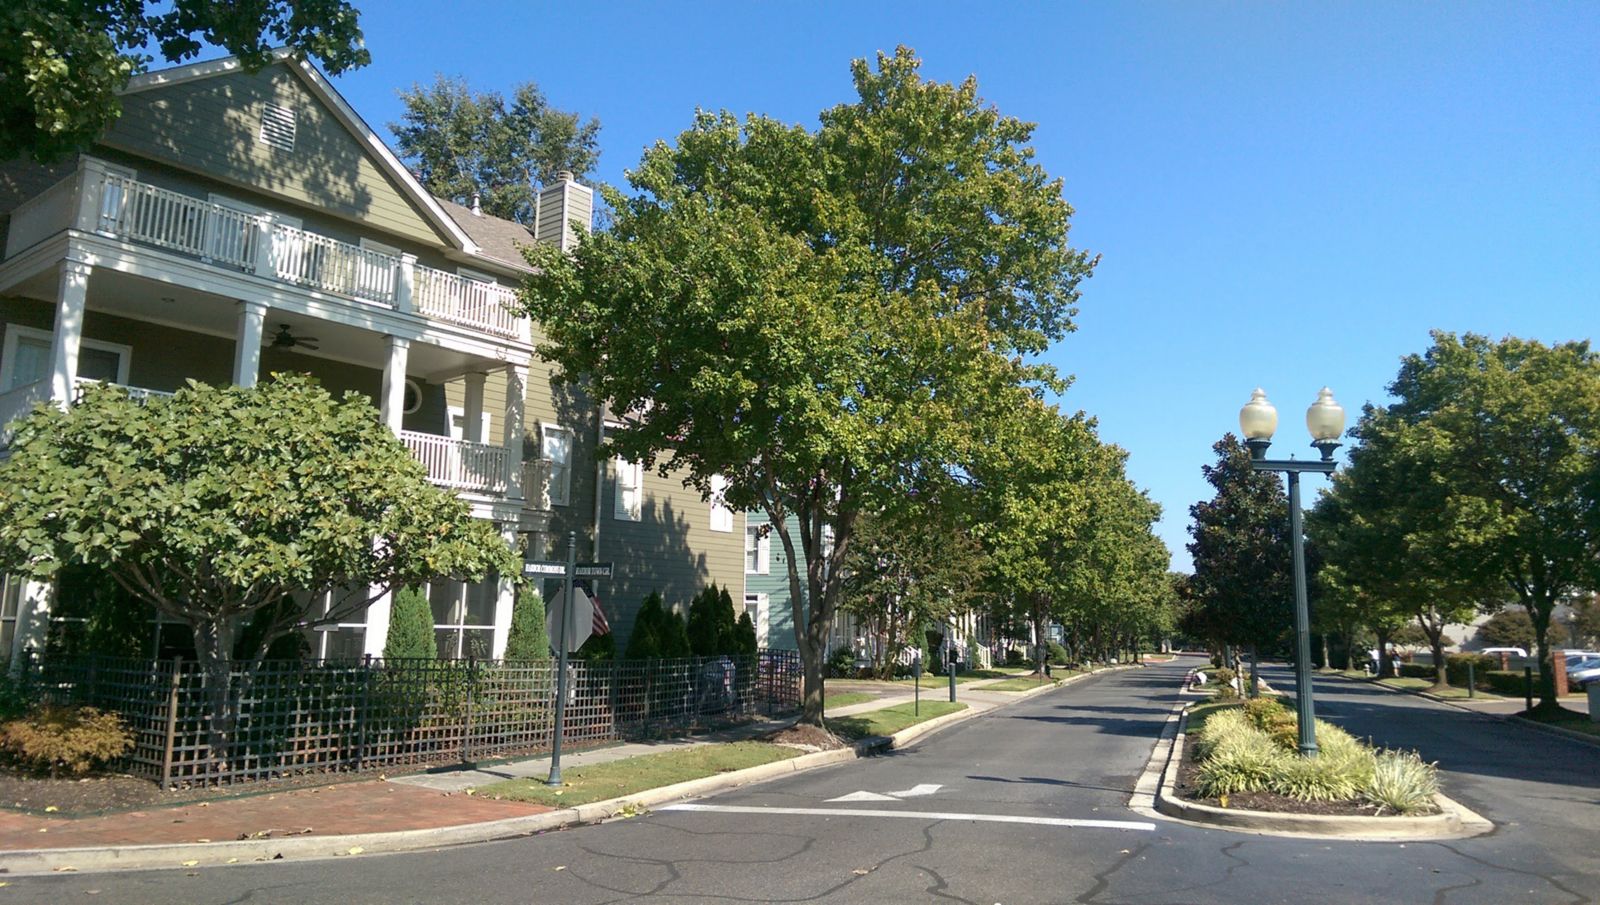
{"points": [[1510, 627], [711, 623], [744, 636], [831, 321], [220, 503], [63, 61], [1509, 434], [462, 143], [411, 634], [528, 639], [1241, 551]]}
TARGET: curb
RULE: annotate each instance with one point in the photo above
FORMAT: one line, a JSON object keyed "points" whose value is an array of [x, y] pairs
{"points": [[1573, 734], [1455, 821], [36, 862]]}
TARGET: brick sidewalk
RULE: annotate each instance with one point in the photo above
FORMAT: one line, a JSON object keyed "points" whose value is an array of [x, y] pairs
{"points": [[370, 806]]}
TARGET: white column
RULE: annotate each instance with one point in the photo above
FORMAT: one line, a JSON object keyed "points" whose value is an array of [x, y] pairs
{"points": [[405, 287], [377, 625], [393, 403], [506, 601], [472, 407], [511, 427], [91, 194], [247, 343], [71, 295], [33, 618]]}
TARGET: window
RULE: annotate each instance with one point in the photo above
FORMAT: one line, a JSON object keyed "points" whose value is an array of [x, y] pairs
{"points": [[756, 606], [10, 604], [630, 489], [463, 617], [277, 127], [721, 515], [25, 358], [757, 549], [556, 448]]}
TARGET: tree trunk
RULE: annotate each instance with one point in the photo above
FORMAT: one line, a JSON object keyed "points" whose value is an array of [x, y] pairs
{"points": [[1441, 677], [1385, 666], [1255, 673], [1327, 658], [213, 644], [1539, 609]]}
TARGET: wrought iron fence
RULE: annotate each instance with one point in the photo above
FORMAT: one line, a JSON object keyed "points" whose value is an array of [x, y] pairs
{"points": [[287, 718]]}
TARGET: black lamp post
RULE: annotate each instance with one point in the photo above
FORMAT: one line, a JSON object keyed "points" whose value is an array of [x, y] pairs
{"points": [[1325, 419]]}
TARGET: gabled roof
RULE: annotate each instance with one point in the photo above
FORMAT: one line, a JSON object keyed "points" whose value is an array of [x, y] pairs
{"points": [[498, 239], [319, 86]]}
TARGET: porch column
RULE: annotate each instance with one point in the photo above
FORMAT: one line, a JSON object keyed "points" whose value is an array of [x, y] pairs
{"points": [[511, 427], [506, 602], [393, 403], [247, 343], [33, 617], [377, 633], [472, 407], [71, 294], [405, 286]]}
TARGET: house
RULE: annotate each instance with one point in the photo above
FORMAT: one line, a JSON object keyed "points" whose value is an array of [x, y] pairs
{"points": [[232, 224], [767, 596]]}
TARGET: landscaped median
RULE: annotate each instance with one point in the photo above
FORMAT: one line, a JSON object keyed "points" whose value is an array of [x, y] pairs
{"points": [[1236, 766]]}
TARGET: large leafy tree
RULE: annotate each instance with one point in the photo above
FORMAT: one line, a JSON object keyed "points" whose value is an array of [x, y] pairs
{"points": [[463, 143], [1508, 434], [837, 321], [62, 62], [226, 505], [1241, 551]]}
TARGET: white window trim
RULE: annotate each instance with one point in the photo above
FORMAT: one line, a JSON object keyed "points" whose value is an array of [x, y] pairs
{"points": [[721, 512], [416, 390], [763, 618], [620, 508], [763, 549], [564, 497], [14, 332]]}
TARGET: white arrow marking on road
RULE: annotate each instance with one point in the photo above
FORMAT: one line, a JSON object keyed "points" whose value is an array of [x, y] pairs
{"points": [[918, 815], [919, 789], [863, 796]]}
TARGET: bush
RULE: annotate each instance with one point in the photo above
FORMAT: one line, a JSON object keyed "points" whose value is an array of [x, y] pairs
{"points": [[14, 699], [711, 624], [644, 642], [1402, 782], [1417, 671], [598, 649], [842, 663], [410, 628], [1277, 721], [744, 636], [1015, 657], [1507, 682], [65, 739], [1455, 668], [1058, 654], [528, 639]]}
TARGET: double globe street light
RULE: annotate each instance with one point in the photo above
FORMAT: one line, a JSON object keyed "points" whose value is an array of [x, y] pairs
{"points": [[1258, 420]]}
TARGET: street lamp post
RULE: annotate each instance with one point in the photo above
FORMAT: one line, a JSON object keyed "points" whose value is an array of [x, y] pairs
{"points": [[1325, 419]]}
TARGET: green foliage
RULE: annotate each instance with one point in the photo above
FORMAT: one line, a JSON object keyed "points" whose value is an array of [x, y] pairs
{"points": [[1510, 627], [842, 663], [1417, 671], [1058, 654], [14, 697], [284, 645], [65, 740], [1509, 682], [1482, 665], [744, 636], [598, 649], [528, 638], [1253, 749], [411, 634], [1241, 588], [836, 322], [116, 623], [658, 632], [712, 626], [1402, 782], [64, 63], [462, 143]]}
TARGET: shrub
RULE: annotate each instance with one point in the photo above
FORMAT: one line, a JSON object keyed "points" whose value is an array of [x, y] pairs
{"points": [[1455, 667], [410, 628], [1401, 782], [598, 649], [744, 636], [1234, 756], [1058, 654], [1277, 721], [528, 639], [1417, 671], [1015, 657], [65, 739], [14, 699], [842, 663], [1506, 682], [711, 623], [644, 642]]}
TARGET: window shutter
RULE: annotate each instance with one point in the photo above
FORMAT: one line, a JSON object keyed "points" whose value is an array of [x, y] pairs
{"points": [[277, 127], [630, 480]]}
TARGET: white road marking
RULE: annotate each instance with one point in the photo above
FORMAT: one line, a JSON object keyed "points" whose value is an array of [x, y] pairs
{"points": [[918, 815], [919, 789], [864, 796]]}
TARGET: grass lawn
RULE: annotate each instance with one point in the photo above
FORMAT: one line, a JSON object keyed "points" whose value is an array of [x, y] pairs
{"points": [[889, 720], [1025, 683], [942, 680], [1568, 719], [846, 698], [582, 785]]}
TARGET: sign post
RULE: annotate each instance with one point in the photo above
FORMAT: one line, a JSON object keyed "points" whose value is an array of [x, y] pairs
{"points": [[569, 625], [564, 624]]}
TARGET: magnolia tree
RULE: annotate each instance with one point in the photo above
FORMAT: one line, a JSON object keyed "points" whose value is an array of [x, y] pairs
{"points": [[825, 323], [222, 505]]}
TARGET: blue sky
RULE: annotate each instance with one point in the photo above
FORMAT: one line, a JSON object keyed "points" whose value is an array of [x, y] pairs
{"points": [[1288, 195]]}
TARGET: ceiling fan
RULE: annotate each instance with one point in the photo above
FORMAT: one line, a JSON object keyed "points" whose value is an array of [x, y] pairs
{"points": [[286, 340]]}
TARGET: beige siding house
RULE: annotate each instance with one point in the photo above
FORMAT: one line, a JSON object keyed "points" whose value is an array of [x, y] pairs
{"points": [[231, 225]]}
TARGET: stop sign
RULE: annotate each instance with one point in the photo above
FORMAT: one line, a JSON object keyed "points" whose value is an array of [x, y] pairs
{"points": [[580, 627]]}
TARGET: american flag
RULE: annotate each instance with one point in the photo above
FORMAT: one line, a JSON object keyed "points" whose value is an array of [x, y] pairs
{"points": [[600, 626]]}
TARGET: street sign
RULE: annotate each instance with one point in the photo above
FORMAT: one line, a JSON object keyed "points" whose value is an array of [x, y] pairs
{"points": [[579, 629], [593, 570], [544, 567]]}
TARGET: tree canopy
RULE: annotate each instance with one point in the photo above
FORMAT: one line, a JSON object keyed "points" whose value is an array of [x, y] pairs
{"points": [[62, 63], [462, 143], [835, 322]]}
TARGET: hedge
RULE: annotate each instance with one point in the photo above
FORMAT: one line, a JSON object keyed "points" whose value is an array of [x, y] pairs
{"points": [[1455, 667], [1505, 682], [1416, 671]]}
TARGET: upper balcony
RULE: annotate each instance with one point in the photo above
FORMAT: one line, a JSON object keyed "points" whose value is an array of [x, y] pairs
{"points": [[114, 205]]}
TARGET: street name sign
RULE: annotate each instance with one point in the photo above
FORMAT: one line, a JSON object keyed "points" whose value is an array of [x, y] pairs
{"points": [[544, 567]]}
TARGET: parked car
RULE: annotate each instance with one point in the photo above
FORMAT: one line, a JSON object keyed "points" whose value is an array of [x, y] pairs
{"points": [[1497, 651], [1583, 672]]}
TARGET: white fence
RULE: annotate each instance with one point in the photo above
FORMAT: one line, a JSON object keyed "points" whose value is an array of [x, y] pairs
{"points": [[461, 464]]}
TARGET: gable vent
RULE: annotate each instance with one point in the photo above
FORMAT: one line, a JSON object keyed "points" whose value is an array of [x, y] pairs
{"points": [[277, 126]]}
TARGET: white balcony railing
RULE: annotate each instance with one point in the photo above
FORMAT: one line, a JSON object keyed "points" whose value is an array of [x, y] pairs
{"points": [[228, 237], [19, 401], [461, 464], [137, 394]]}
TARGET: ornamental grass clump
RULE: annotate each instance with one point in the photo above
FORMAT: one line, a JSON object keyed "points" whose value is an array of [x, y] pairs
{"points": [[1401, 782], [1235, 756], [58, 740]]}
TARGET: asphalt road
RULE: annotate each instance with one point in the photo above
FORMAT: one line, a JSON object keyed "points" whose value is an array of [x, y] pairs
{"points": [[1027, 804]]}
